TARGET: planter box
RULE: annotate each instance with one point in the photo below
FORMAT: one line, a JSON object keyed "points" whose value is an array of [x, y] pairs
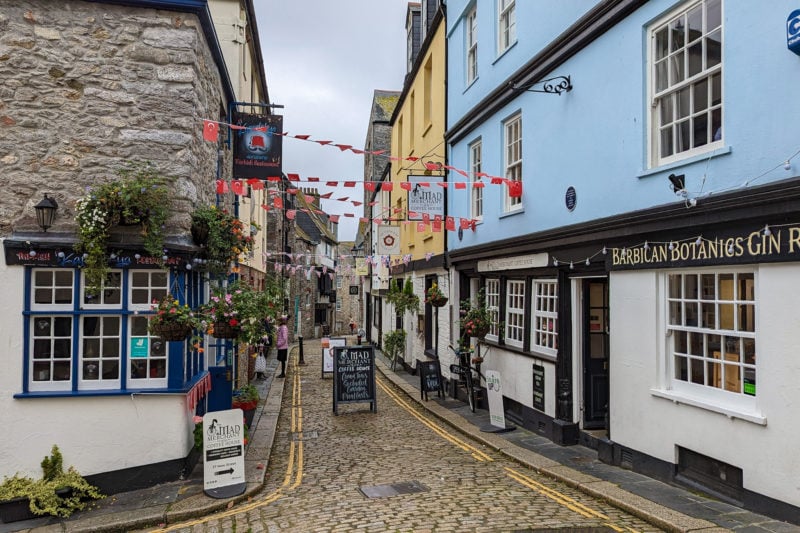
{"points": [[15, 510]]}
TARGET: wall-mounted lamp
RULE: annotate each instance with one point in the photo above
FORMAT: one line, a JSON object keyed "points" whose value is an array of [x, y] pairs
{"points": [[46, 212], [678, 184]]}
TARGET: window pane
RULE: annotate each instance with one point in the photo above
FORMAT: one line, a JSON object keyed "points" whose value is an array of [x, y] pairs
{"points": [[681, 369], [713, 14], [716, 124], [675, 285], [42, 296], [700, 130], [709, 316], [747, 317], [662, 79], [676, 69], [697, 375], [43, 278], [675, 313], [63, 278], [690, 287], [680, 342], [695, 59], [749, 347], [62, 327], [714, 49], [662, 43], [695, 23], [677, 33], [666, 142], [700, 93], [746, 287], [667, 110], [691, 314], [683, 97], [696, 343], [683, 131]]}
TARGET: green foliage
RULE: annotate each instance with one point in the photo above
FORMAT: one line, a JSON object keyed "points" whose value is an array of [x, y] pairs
{"points": [[394, 343], [222, 237], [48, 495], [246, 393], [138, 197], [242, 306], [476, 318], [403, 299]]}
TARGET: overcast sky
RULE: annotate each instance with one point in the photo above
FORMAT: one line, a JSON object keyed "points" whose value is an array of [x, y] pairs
{"points": [[323, 60]]}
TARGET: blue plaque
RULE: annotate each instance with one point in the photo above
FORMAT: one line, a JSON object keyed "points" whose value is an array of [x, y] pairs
{"points": [[793, 31], [571, 198]]}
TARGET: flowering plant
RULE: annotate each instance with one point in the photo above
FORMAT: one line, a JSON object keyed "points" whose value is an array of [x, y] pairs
{"points": [[245, 308], [170, 314], [222, 236], [476, 318], [138, 197], [435, 296]]}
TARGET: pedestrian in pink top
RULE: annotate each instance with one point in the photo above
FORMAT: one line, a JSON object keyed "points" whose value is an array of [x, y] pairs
{"points": [[282, 343]]}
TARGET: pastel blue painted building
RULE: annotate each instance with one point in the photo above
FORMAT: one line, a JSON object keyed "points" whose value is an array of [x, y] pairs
{"points": [[641, 276]]}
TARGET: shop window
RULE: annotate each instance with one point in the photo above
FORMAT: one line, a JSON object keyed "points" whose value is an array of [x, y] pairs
{"points": [[515, 313], [712, 332], [493, 305], [544, 313], [79, 341]]}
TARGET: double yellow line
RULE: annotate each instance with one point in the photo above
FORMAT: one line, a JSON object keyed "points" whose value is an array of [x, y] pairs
{"points": [[467, 447], [294, 470]]}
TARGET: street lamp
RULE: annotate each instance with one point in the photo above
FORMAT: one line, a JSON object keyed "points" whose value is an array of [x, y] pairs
{"points": [[46, 212]]}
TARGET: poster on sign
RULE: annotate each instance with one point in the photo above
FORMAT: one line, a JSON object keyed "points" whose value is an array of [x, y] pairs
{"points": [[223, 449], [328, 344], [257, 146]]}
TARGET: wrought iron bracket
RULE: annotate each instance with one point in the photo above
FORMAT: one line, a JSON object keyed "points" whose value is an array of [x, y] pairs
{"points": [[555, 85]]}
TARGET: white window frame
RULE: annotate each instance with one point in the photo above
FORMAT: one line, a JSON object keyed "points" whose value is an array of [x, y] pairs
{"points": [[109, 288], [506, 25], [53, 288], [544, 316], [102, 358], [676, 103], [157, 351], [492, 295], [514, 331], [679, 324], [471, 21], [76, 312], [476, 193], [512, 157]]}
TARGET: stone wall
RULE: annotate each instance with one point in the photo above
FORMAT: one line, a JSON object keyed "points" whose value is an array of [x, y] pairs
{"points": [[88, 86]]}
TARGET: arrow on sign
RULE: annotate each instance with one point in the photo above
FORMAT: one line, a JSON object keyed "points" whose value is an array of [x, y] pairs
{"points": [[220, 472]]}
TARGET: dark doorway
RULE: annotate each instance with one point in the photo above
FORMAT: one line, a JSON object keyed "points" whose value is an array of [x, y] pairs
{"points": [[595, 353]]}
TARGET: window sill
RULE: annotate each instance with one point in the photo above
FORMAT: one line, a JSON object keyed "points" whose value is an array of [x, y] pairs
{"points": [[516, 211], [752, 417], [724, 150], [501, 53], [98, 392]]}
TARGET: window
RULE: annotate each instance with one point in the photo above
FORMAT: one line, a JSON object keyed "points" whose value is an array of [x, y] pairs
{"points": [[83, 339], [712, 332], [493, 305], [472, 45], [544, 312], [474, 173], [427, 107], [513, 157], [686, 82], [506, 25], [515, 313]]}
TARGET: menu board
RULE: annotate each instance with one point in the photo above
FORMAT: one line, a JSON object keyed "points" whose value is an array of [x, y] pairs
{"points": [[538, 387], [354, 376], [430, 378]]}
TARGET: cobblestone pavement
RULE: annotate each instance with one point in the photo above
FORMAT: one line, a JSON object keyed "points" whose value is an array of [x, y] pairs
{"points": [[322, 464]]}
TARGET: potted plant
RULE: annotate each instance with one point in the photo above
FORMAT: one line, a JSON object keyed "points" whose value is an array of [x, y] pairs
{"points": [[476, 319], [221, 316], [57, 493], [138, 197], [435, 296], [394, 343], [222, 237], [403, 299], [238, 310], [172, 321], [246, 398]]}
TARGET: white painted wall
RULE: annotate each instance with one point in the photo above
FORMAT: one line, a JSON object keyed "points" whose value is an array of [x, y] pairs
{"points": [[95, 434], [643, 421]]}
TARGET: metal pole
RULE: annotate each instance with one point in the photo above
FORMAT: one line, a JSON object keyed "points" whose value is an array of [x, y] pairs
{"points": [[301, 361]]}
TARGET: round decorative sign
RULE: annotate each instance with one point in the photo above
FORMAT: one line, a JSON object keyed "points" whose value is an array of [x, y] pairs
{"points": [[571, 198], [388, 240]]}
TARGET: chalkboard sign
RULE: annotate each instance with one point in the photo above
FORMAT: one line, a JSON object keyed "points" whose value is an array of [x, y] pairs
{"points": [[538, 387], [430, 378], [354, 376]]}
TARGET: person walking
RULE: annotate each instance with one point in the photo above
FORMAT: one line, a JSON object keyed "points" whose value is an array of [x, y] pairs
{"points": [[282, 344]]}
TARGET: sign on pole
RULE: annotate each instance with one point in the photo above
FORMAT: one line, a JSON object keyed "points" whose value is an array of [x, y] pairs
{"points": [[497, 416], [223, 448]]}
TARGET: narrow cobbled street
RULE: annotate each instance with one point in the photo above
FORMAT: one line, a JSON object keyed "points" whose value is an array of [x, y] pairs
{"points": [[395, 470]]}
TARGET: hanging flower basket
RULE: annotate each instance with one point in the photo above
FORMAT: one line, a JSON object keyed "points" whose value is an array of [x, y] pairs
{"points": [[480, 333], [171, 332], [438, 302], [223, 330]]}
